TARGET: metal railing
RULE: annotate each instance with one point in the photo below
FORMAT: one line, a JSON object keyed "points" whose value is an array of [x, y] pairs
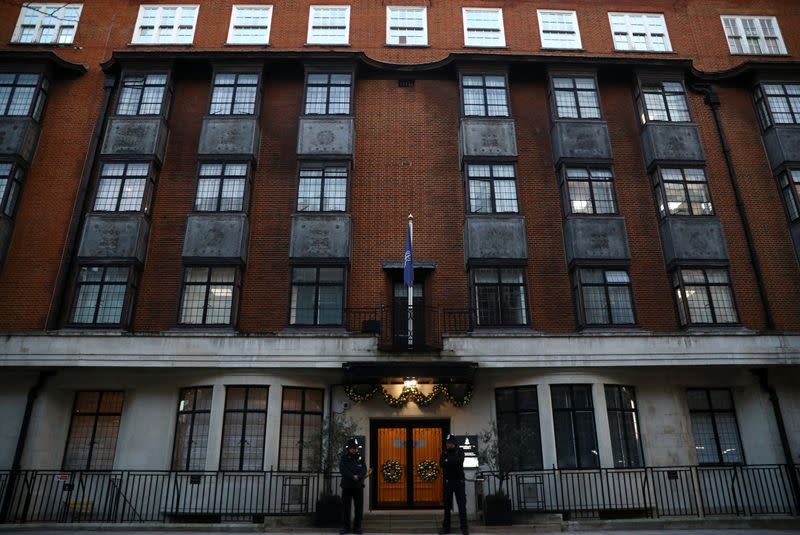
{"points": [[157, 496], [655, 492]]}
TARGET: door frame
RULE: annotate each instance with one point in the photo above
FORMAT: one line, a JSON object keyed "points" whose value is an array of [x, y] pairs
{"points": [[406, 423]]}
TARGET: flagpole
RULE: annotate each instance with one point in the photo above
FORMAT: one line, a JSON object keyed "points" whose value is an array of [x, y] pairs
{"points": [[411, 287]]}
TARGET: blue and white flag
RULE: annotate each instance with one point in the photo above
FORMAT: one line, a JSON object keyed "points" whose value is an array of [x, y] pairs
{"points": [[408, 260]]}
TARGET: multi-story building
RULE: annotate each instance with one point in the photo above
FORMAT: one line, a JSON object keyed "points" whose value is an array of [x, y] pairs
{"points": [[204, 218]]}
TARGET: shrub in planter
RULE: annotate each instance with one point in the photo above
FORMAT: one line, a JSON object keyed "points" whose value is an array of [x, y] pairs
{"points": [[497, 510], [330, 511]]}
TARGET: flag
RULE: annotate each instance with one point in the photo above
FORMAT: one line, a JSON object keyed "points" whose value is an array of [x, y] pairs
{"points": [[408, 260]]}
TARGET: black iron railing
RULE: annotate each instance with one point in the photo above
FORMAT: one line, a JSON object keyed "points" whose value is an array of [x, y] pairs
{"points": [[682, 491], [157, 496]]}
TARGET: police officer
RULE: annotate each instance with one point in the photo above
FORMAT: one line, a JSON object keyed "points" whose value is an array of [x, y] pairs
{"points": [[354, 471], [452, 463]]}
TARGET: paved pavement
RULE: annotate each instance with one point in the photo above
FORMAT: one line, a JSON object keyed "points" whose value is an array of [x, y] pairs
{"points": [[476, 531]]}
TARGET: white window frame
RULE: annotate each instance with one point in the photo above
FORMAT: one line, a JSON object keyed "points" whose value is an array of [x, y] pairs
{"points": [[648, 32], [137, 32], [576, 44], [761, 37], [312, 39], [421, 9], [59, 23], [501, 43], [268, 8]]}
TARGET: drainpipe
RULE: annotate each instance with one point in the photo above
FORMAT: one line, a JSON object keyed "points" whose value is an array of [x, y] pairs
{"points": [[33, 393], [62, 286], [712, 100], [761, 374]]}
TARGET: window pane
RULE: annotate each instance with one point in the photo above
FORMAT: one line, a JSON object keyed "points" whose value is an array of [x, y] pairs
{"points": [[705, 445]]}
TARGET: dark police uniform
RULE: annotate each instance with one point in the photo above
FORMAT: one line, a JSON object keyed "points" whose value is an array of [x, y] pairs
{"points": [[452, 463], [352, 489]]}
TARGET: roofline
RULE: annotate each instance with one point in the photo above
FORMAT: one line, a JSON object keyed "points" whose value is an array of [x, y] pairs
{"points": [[46, 56]]}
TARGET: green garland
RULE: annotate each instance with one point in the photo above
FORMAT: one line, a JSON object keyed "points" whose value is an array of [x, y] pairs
{"points": [[392, 471], [410, 393], [428, 470]]}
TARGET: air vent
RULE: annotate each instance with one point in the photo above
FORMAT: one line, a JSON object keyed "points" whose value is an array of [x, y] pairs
{"points": [[405, 82]]}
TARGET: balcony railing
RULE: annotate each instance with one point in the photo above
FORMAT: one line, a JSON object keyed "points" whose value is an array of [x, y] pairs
{"points": [[156, 496], [654, 492]]}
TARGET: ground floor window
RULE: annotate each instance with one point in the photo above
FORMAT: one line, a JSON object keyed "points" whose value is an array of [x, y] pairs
{"points": [[573, 422], [623, 423], [716, 433], [301, 421], [518, 419], [191, 429], [244, 428], [92, 440]]}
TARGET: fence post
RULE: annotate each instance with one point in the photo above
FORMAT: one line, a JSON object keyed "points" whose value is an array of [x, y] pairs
{"points": [[698, 493]]}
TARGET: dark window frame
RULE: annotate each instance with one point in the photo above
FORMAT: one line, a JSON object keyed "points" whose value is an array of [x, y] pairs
{"points": [[578, 285], [712, 411], [645, 85], [492, 179], [236, 284], [38, 100], [131, 284], [574, 91], [483, 74], [329, 73], [14, 182], [576, 443], [518, 412], [241, 431], [682, 306], [147, 192], [190, 439], [660, 191], [316, 284], [221, 179], [166, 95], [302, 412], [499, 285], [627, 441], [231, 106], [591, 179], [789, 188], [96, 416], [324, 167], [766, 118]]}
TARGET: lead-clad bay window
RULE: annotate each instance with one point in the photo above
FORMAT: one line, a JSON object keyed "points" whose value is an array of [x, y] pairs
{"points": [[19, 91], [624, 427], [573, 422], [123, 187], [191, 428], [244, 428], [221, 187], [704, 296], [47, 23], [328, 93], [317, 296], [209, 295], [142, 94], [518, 418], [492, 189], [714, 427], [165, 24], [92, 439], [789, 182], [234, 94], [102, 295], [301, 422], [576, 97], [662, 101], [11, 177], [778, 103], [322, 189], [590, 190], [484, 95], [499, 296], [682, 191], [604, 296]]}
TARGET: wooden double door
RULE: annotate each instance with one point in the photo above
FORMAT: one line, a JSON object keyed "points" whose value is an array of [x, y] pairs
{"points": [[409, 443]]}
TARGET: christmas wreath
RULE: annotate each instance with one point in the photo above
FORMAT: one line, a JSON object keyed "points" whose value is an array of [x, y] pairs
{"points": [[392, 471], [428, 470]]}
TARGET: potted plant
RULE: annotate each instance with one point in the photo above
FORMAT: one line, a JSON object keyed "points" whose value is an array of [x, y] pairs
{"points": [[324, 451], [502, 454]]}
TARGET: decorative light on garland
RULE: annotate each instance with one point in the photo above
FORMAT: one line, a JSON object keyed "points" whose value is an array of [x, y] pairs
{"points": [[462, 396], [392, 471], [428, 470]]}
